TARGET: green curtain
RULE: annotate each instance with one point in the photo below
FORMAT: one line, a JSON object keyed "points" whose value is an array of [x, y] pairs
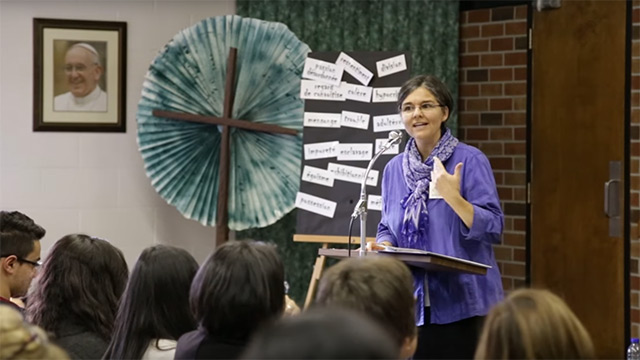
{"points": [[428, 29]]}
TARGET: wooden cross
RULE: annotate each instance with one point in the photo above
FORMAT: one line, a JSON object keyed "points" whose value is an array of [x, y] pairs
{"points": [[222, 214]]}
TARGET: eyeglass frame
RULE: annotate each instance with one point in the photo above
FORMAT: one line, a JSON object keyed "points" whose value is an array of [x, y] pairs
{"points": [[425, 106], [36, 264]]}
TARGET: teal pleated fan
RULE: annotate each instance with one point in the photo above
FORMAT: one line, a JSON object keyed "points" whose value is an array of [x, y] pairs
{"points": [[188, 76]]}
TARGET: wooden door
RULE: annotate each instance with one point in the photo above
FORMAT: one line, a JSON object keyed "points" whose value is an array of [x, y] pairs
{"points": [[577, 127]]}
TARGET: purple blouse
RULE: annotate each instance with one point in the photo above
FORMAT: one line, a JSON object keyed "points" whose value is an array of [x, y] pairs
{"points": [[452, 296]]}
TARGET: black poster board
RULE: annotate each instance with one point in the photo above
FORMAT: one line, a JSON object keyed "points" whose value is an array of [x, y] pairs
{"points": [[314, 227]]}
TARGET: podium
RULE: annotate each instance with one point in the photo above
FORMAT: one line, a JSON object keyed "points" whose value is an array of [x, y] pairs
{"points": [[423, 259]]}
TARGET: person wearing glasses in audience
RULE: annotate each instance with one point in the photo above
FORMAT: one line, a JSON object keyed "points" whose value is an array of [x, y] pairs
{"points": [[440, 195], [19, 254], [83, 70]]}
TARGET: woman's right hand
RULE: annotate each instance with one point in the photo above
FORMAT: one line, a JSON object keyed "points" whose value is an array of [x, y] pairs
{"points": [[374, 246]]}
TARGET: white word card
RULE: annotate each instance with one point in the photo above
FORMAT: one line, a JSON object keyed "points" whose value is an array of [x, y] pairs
{"points": [[316, 90], [322, 120], [353, 174], [322, 71], [354, 68], [317, 176], [391, 65], [386, 94], [387, 123], [374, 202], [355, 120], [355, 152], [321, 150], [390, 151], [315, 204], [357, 92]]}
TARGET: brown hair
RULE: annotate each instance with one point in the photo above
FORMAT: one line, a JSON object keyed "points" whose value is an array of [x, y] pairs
{"points": [[19, 340], [380, 287], [533, 324]]}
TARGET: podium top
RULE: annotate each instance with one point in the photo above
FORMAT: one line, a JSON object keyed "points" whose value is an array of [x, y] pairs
{"points": [[426, 260]]}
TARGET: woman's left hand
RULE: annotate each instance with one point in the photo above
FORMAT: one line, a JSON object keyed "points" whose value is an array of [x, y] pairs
{"points": [[448, 185]]}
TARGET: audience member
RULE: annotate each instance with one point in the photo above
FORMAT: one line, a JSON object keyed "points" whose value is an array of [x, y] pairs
{"points": [[533, 324], [19, 340], [76, 294], [154, 310], [19, 254], [239, 288], [323, 333], [380, 287]]}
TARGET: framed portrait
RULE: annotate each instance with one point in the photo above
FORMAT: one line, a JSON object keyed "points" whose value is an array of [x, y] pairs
{"points": [[79, 75]]}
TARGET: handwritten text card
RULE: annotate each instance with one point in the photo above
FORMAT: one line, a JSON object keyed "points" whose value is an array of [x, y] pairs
{"points": [[357, 92], [321, 150], [352, 174], [322, 120], [386, 94], [387, 123], [391, 65], [354, 68], [316, 204], [316, 90], [355, 152], [317, 176], [355, 120], [322, 71]]}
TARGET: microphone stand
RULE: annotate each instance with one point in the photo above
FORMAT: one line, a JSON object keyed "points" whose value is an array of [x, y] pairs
{"points": [[361, 206]]}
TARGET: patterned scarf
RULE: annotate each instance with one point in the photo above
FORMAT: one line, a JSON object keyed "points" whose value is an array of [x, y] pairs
{"points": [[417, 175]]}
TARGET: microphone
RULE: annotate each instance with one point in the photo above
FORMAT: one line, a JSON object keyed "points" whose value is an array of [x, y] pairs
{"points": [[394, 138]]}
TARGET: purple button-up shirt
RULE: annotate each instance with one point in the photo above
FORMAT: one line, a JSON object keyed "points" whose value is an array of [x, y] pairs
{"points": [[452, 296]]}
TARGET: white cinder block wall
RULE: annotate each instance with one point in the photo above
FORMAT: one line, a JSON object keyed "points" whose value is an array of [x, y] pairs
{"points": [[90, 182]]}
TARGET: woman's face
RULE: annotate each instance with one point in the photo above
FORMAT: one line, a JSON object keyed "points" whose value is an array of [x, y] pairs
{"points": [[423, 115]]}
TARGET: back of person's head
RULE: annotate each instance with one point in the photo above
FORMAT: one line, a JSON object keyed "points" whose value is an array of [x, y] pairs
{"points": [[533, 324], [323, 333], [238, 288], [19, 340], [17, 221], [81, 281], [155, 304], [380, 287]]}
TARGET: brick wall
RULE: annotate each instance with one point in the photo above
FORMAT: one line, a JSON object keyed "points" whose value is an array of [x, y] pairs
{"points": [[492, 109], [635, 172]]}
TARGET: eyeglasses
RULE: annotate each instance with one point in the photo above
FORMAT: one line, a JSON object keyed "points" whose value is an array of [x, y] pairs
{"points": [[23, 260], [34, 263], [408, 109]]}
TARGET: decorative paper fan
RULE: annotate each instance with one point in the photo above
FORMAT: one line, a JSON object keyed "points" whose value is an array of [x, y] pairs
{"points": [[182, 158]]}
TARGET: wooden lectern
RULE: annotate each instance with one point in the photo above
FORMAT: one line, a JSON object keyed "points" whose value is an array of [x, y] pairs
{"points": [[423, 259]]}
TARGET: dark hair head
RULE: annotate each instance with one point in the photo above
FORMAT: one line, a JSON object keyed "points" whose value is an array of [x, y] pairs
{"points": [[323, 334], [533, 324], [380, 287], [155, 304], [17, 221], [16, 243], [18, 233], [81, 282], [238, 288], [431, 83]]}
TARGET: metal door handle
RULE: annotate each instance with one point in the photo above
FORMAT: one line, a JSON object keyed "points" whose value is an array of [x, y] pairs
{"points": [[611, 196]]}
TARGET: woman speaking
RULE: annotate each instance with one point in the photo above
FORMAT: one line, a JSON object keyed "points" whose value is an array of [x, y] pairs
{"points": [[440, 195]]}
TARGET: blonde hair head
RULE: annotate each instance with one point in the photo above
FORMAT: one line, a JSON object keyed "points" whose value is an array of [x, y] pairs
{"points": [[533, 324], [19, 340]]}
